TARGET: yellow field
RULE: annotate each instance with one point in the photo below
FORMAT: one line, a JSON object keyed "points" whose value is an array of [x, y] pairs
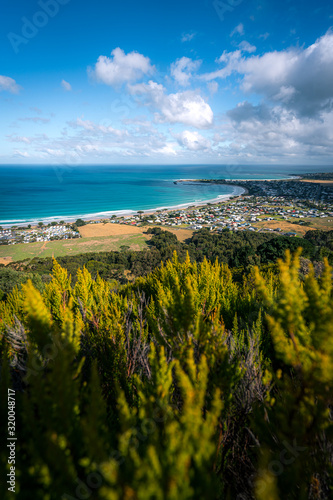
{"points": [[285, 226], [182, 234], [95, 238], [93, 230], [97, 230]]}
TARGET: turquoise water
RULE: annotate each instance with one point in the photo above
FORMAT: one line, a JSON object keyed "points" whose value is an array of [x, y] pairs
{"points": [[34, 193]]}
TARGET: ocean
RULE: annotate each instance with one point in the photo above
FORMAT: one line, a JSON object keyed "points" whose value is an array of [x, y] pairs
{"points": [[29, 194]]}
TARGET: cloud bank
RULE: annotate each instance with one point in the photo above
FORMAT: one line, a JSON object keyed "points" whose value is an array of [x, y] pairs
{"points": [[300, 79]]}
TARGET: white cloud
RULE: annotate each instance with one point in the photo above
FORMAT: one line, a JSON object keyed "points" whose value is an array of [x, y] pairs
{"points": [[285, 93], [34, 119], [84, 140], [21, 154], [86, 124], [239, 30], [187, 37], [250, 132], [26, 139], [9, 85], [276, 134], [188, 107], [245, 111], [286, 116], [36, 110], [301, 79], [231, 60], [247, 47], [192, 140], [16, 138], [121, 68], [66, 86], [167, 150], [103, 128], [182, 70]]}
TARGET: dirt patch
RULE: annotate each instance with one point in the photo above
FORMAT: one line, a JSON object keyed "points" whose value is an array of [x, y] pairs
{"points": [[135, 247], [285, 226], [128, 275], [92, 243], [43, 247], [5, 260], [182, 234], [93, 230], [97, 230]]}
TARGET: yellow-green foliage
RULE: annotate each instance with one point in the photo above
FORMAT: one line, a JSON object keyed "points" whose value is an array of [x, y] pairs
{"points": [[10, 309], [185, 384], [58, 292], [166, 451], [300, 322], [185, 292]]}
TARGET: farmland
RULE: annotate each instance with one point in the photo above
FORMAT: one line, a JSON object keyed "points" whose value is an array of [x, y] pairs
{"points": [[285, 226], [95, 238], [9, 253]]}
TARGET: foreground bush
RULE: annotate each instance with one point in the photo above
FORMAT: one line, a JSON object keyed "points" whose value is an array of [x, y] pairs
{"points": [[183, 384]]}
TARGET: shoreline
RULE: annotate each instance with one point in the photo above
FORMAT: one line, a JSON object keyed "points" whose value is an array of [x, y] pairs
{"points": [[208, 181], [126, 213]]}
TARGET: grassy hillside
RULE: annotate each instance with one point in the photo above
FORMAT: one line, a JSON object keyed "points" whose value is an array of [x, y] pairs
{"points": [[72, 247]]}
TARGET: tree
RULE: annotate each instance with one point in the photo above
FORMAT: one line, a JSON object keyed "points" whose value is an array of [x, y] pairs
{"points": [[80, 223], [276, 248]]}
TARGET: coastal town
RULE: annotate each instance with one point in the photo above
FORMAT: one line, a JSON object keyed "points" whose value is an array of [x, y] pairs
{"points": [[13, 235], [244, 213], [289, 189], [265, 206]]}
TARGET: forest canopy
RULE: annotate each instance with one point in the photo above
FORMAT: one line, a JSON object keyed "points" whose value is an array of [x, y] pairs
{"points": [[240, 250]]}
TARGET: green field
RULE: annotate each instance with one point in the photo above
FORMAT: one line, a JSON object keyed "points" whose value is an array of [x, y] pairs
{"points": [[72, 247]]}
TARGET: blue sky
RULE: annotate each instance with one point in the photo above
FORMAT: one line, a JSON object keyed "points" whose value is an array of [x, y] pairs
{"points": [[234, 81]]}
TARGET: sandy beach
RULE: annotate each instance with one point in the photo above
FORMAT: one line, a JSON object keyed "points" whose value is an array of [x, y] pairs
{"points": [[129, 213]]}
